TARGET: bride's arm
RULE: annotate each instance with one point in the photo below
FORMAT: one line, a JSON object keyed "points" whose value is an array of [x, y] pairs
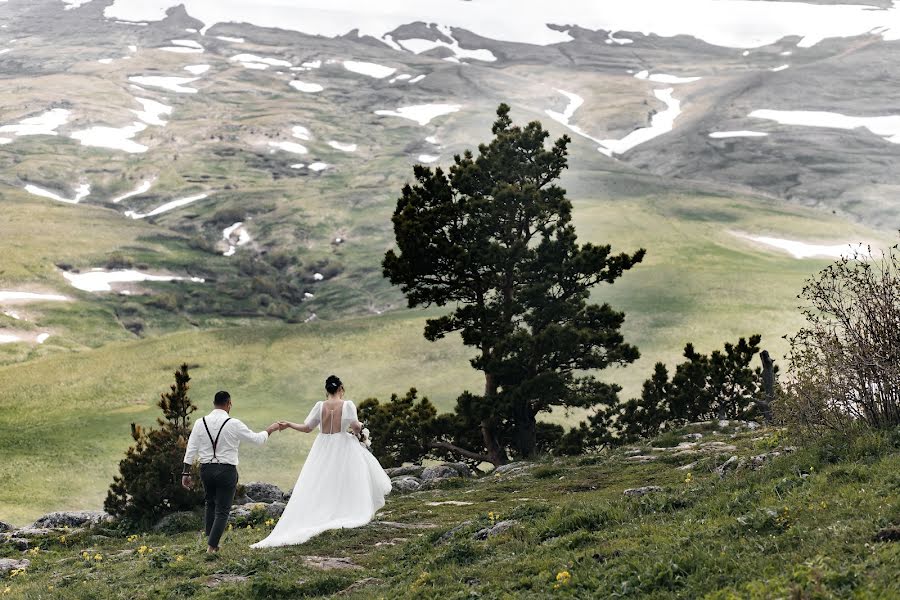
{"points": [[356, 426], [301, 427]]}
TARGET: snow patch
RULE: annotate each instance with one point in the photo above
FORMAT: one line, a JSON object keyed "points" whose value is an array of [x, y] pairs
{"points": [[43, 124], [342, 147], [142, 188], [81, 192], [226, 38], [197, 69], [173, 84], [887, 127], [301, 132], [290, 147], [117, 138], [801, 250], [421, 113], [371, 69], [252, 59], [661, 122], [418, 46], [42, 338], [166, 207], [428, 158], [101, 280], [662, 78], [228, 234], [318, 166], [575, 102], [734, 134], [781, 68], [152, 111], [417, 79], [309, 88]]}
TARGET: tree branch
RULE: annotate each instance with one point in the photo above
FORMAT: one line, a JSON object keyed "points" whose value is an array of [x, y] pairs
{"points": [[460, 451]]}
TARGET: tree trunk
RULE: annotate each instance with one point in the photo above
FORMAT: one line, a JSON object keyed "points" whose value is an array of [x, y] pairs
{"points": [[525, 429], [768, 385], [496, 454]]}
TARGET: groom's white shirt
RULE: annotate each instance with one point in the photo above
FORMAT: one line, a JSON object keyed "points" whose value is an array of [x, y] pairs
{"points": [[232, 435]]}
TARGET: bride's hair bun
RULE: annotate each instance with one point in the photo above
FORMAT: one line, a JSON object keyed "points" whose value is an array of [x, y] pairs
{"points": [[332, 384]]}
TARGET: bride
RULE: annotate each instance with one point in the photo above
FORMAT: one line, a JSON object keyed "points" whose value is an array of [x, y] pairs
{"points": [[341, 484]]}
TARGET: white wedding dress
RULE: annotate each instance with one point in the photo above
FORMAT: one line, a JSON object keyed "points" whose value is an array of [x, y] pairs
{"points": [[341, 484]]}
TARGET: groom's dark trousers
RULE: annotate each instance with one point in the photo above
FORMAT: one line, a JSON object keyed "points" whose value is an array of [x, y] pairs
{"points": [[219, 482]]}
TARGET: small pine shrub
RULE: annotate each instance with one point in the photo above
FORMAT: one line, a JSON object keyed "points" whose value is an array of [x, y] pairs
{"points": [[149, 482]]}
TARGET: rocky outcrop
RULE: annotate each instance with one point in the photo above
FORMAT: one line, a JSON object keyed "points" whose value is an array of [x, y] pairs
{"points": [[327, 563], [272, 510], [11, 564], [496, 529], [642, 491], [4, 527], [439, 472], [80, 518], [513, 468], [406, 484], [259, 491], [408, 470]]}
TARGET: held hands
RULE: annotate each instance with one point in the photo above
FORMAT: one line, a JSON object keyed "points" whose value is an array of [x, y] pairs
{"points": [[274, 427]]}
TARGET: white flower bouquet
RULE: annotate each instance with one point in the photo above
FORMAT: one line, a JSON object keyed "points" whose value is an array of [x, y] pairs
{"points": [[363, 436]]}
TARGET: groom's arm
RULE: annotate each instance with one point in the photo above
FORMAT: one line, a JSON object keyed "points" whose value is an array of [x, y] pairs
{"points": [[245, 434], [190, 454]]}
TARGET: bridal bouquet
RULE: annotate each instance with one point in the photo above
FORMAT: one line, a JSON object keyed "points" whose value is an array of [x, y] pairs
{"points": [[363, 437]]}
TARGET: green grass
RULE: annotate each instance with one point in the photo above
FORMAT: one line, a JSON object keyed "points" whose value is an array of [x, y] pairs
{"points": [[800, 527], [65, 416]]}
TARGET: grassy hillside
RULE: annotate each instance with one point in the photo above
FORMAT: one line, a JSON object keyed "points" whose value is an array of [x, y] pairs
{"points": [[801, 526], [63, 409]]}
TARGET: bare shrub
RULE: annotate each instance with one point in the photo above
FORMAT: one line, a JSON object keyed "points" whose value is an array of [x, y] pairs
{"points": [[845, 363]]}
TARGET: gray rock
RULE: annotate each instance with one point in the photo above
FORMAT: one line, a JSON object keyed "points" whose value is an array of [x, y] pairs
{"points": [[718, 447], [510, 468], [640, 458], [81, 518], [405, 484], [18, 543], [409, 470], [729, 464], [447, 536], [178, 522], [5, 527], [327, 563], [10, 564], [439, 472], [272, 510], [258, 491], [483, 534], [218, 579], [30, 532], [693, 436], [461, 468], [642, 491]]}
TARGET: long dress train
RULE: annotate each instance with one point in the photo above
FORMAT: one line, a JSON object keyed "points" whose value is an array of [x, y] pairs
{"points": [[341, 485]]}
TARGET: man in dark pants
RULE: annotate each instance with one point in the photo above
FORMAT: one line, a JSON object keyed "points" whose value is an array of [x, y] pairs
{"points": [[214, 441]]}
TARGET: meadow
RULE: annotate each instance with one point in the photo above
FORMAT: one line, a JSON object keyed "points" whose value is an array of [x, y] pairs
{"points": [[801, 525]]}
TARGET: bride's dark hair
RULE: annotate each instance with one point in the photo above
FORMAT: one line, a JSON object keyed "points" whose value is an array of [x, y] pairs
{"points": [[333, 384]]}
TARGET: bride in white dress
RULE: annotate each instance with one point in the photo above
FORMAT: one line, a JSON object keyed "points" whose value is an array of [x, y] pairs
{"points": [[341, 484]]}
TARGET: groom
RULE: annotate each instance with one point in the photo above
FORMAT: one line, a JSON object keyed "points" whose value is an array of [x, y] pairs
{"points": [[214, 440]]}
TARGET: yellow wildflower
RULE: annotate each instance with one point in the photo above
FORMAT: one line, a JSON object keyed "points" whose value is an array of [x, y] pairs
{"points": [[562, 578], [49, 588], [132, 537], [85, 555], [270, 522], [142, 550], [689, 478], [230, 527], [249, 526], [179, 558], [98, 557], [62, 539], [34, 551], [494, 517]]}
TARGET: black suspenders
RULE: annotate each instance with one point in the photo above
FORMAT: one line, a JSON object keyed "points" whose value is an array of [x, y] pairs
{"points": [[215, 442]]}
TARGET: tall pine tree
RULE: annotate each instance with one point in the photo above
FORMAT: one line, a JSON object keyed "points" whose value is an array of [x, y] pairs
{"points": [[493, 238]]}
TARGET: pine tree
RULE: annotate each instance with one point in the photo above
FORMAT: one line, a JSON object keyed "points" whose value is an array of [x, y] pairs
{"points": [[493, 238], [149, 481]]}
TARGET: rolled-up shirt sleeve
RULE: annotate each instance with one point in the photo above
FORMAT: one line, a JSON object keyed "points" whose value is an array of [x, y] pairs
{"points": [[192, 449], [245, 434]]}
